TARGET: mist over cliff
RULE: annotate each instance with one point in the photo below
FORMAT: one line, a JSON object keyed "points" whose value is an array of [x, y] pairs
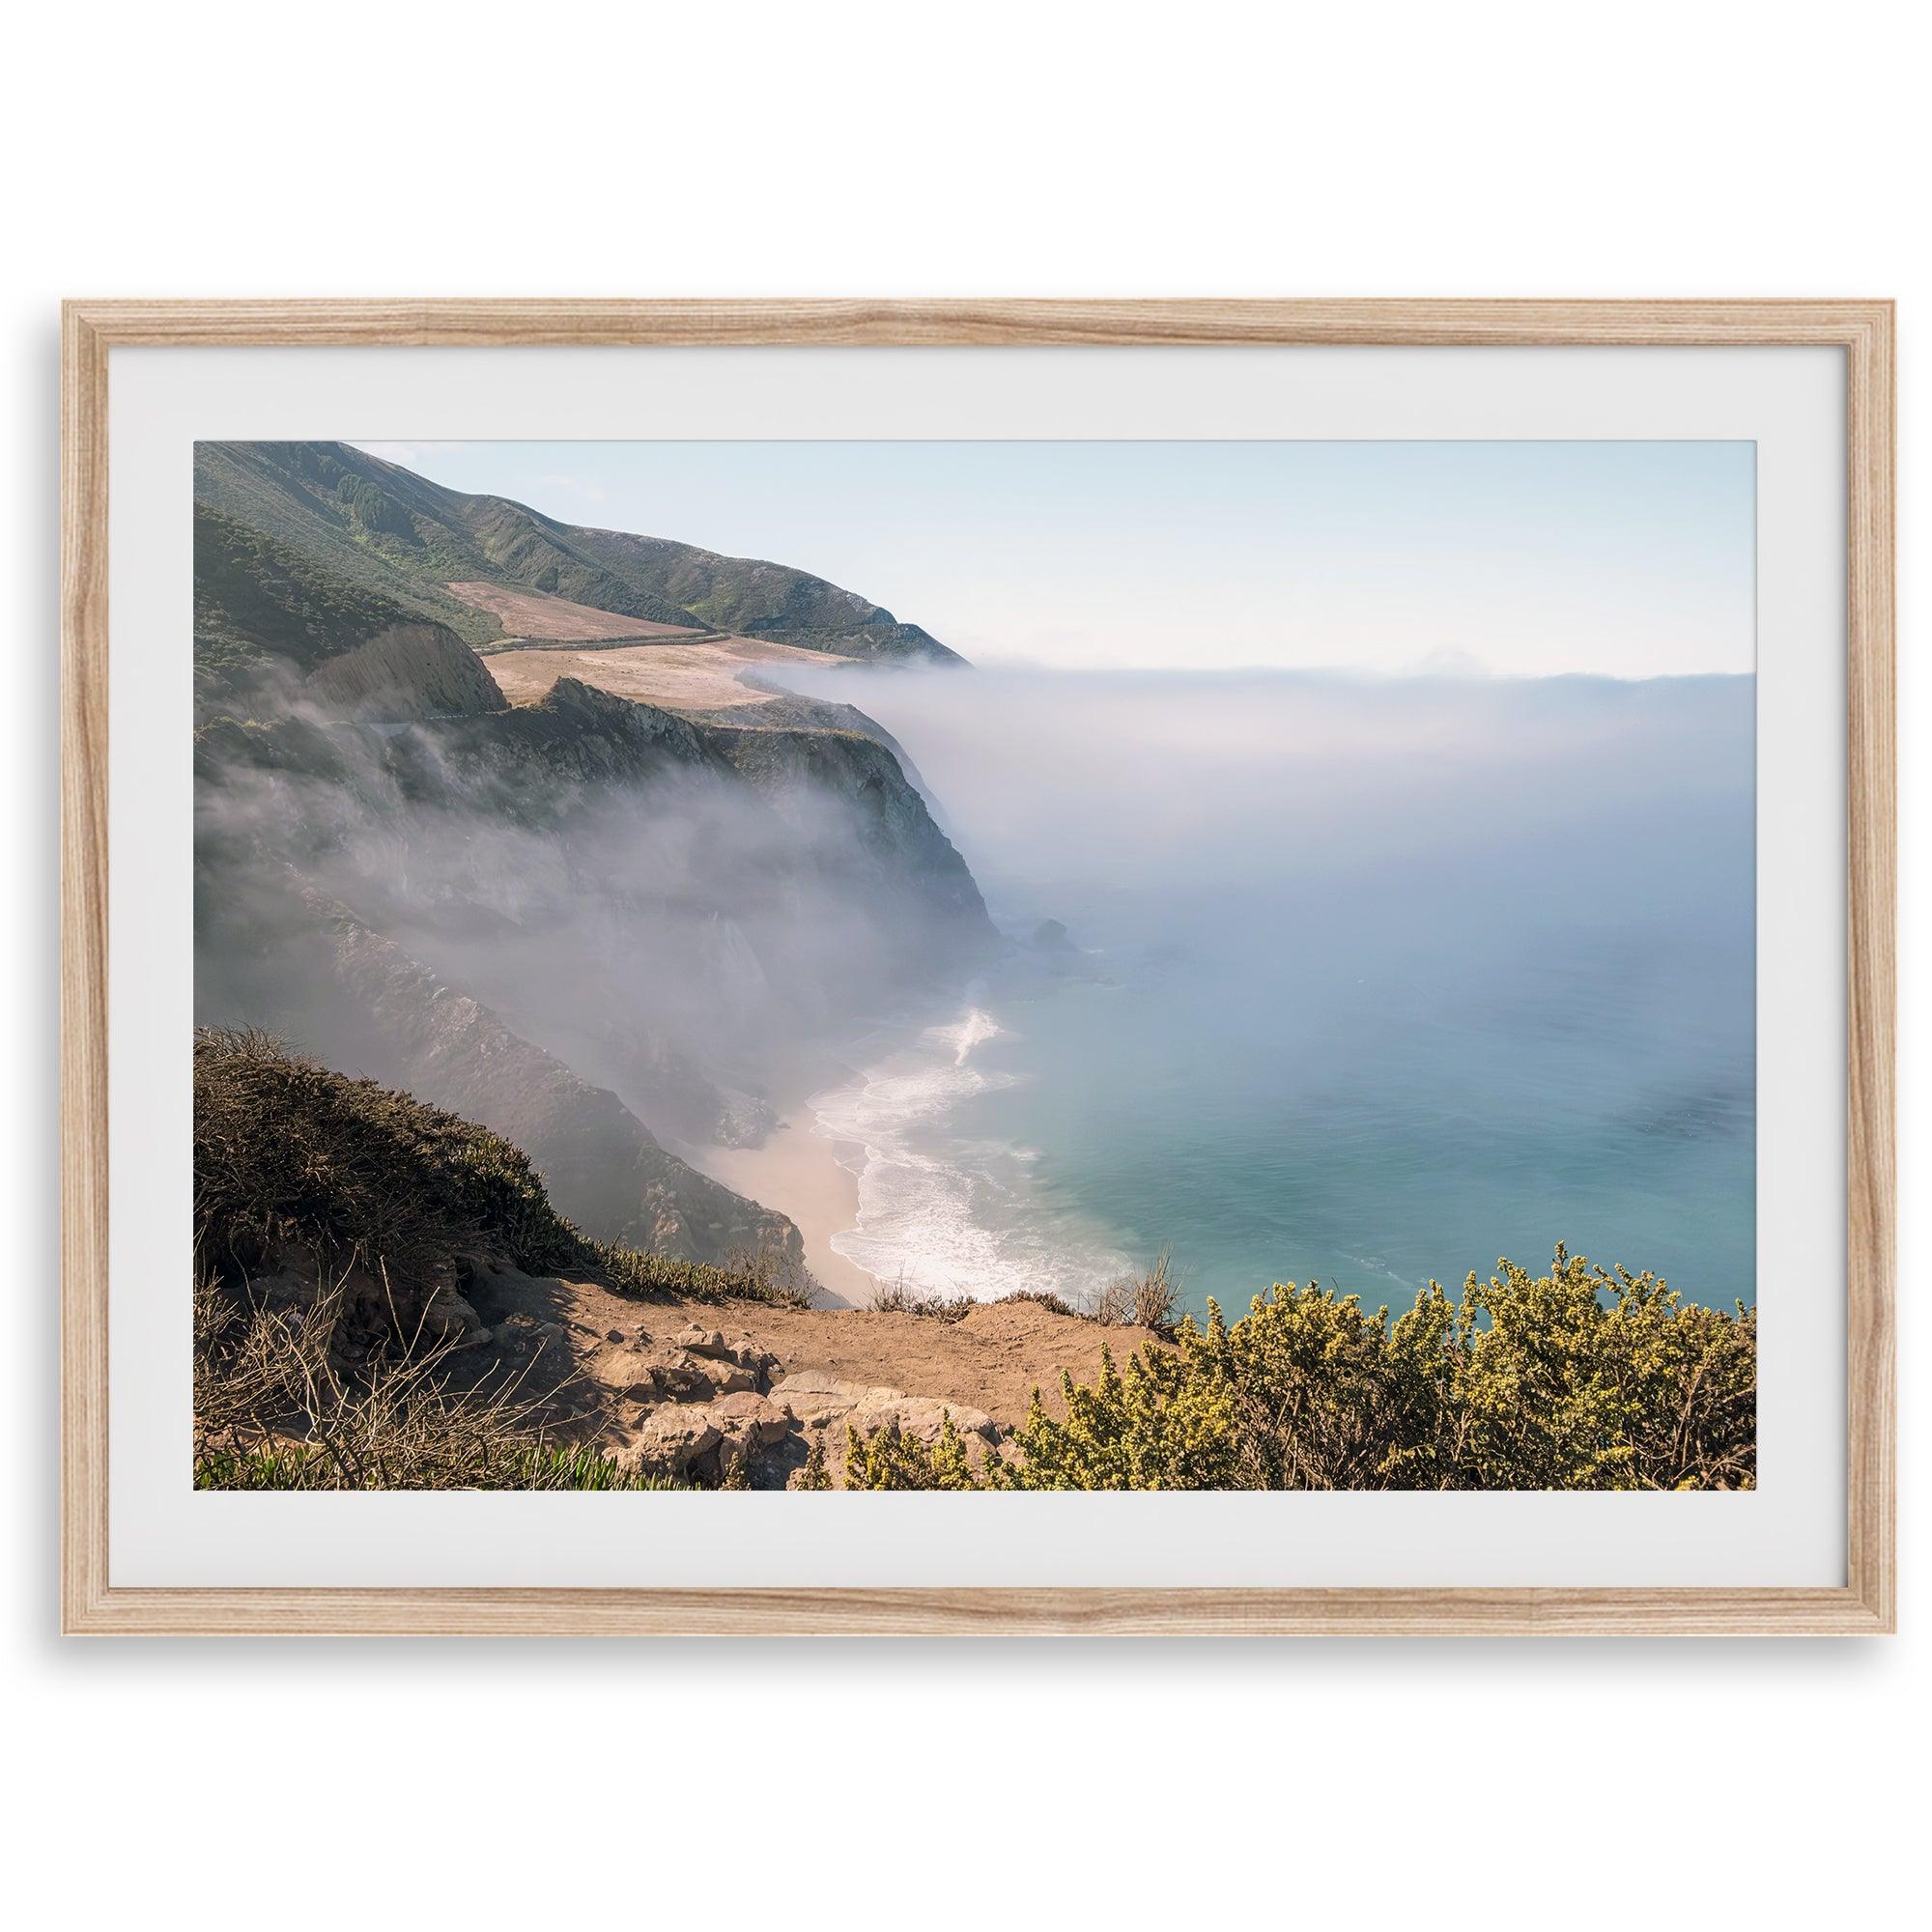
{"points": [[673, 914], [593, 924]]}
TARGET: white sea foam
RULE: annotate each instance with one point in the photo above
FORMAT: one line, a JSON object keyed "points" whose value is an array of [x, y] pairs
{"points": [[973, 1031], [947, 1213]]}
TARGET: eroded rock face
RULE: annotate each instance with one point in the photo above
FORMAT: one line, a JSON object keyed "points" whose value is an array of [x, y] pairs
{"points": [[701, 1426], [427, 902], [407, 673], [922, 1416], [694, 1368], [449, 1320], [706, 1441], [820, 1400]]}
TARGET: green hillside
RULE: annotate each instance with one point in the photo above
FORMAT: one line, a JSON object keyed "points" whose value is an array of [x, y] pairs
{"points": [[389, 530], [383, 529], [256, 599]]}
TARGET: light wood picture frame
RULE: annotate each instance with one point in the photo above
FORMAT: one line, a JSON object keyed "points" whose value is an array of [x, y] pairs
{"points": [[1861, 329]]}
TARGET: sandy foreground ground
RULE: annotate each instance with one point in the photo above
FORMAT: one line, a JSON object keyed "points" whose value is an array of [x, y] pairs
{"points": [[798, 1173], [991, 1361]]}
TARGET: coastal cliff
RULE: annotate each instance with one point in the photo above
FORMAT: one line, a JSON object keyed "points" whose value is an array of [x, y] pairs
{"points": [[587, 923]]}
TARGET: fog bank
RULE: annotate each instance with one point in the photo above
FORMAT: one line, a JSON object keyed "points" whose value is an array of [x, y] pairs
{"points": [[1372, 978]]}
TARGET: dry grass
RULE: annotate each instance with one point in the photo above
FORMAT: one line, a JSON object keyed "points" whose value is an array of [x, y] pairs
{"points": [[1054, 1305], [1149, 1299], [900, 1297], [275, 1409], [536, 615]]}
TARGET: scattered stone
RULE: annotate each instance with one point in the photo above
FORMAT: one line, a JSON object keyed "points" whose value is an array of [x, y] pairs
{"points": [[753, 1415], [921, 1416], [819, 1399], [740, 1349], [522, 1335], [449, 1319], [673, 1437], [681, 1377], [817, 1396], [727, 1378]]}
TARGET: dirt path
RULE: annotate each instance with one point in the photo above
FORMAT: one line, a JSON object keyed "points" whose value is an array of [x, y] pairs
{"points": [[680, 677], [532, 614]]}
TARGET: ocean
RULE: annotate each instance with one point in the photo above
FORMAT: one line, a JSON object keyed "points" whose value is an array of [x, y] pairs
{"points": [[1361, 981]]}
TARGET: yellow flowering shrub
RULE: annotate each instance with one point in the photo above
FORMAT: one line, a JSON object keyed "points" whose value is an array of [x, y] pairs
{"points": [[890, 1459], [1574, 1379]]}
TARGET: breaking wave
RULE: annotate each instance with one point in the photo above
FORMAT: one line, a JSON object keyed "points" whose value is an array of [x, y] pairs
{"points": [[945, 1211]]}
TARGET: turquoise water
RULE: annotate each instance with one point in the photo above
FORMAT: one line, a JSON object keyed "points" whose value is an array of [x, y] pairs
{"points": [[1364, 984]]}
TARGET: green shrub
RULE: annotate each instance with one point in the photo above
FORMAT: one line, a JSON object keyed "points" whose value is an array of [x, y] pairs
{"points": [[765, 1275], [1576, 1380], [289, 1153], [815, 1475]]}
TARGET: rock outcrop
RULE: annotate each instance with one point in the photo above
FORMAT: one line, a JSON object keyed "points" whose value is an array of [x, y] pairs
{"points": [[407, 673], [820, 1400]]}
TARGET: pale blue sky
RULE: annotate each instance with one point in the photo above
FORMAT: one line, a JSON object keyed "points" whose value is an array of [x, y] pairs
{"points": [[1631, 560]]}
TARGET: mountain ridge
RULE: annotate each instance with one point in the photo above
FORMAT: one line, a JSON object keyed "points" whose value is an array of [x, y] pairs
{"points": [[385, 530]]}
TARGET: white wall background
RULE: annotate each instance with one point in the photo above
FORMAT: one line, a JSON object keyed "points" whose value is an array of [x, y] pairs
{"points": [[841, 149]]}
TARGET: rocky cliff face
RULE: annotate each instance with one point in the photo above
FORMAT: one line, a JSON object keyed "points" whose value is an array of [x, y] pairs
{"points": [[591, 924], [573, 922], [404, 672], [372, 1006]]}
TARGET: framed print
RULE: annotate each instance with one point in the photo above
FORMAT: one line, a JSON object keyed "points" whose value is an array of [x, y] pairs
{"points": [[1166, 967]]}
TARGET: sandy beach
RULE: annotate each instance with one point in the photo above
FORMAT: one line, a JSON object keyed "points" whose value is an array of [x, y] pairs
{"points": [[797, 1172]]}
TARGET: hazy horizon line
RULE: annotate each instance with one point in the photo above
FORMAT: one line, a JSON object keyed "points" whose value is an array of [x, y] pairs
{"points": [[1627, 561]]}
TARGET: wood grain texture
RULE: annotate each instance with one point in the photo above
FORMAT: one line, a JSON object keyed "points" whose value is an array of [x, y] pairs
{"points": [[1871, 860], [1471, 1613], [83, 963], [1862, 329], [461, 323]]}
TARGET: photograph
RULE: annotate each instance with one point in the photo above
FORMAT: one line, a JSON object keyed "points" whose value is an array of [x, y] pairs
{"points": [[907, 890], [975, 966]]}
